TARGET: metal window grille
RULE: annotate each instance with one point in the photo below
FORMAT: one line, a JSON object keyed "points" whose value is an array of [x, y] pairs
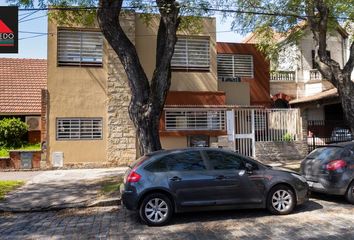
{"points": [[195, 119], [80, 48], [231, 67], [78, 129], [191, 53]]}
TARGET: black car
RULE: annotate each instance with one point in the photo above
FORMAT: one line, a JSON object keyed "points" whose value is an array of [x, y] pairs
{"points": [[169, 181], [330, 169]]}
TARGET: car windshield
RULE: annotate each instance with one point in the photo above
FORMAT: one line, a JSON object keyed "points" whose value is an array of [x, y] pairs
{"points": [[326, 153], [138, 161]]}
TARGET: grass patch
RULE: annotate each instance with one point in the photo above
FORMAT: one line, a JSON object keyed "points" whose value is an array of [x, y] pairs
{"points": [[8, 186], [110, 187], [4, 152]]}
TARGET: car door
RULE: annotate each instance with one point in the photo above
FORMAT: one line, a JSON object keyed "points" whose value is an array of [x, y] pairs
{"points": [[232, 183], [189, 178]]}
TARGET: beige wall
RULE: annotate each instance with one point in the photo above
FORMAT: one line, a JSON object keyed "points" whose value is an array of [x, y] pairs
{"points": [[173, 142], [75, 92], [145, 40], [236, 93]]}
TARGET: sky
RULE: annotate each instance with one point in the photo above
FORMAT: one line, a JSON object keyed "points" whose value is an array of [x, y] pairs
{"points": [[35, 46]]}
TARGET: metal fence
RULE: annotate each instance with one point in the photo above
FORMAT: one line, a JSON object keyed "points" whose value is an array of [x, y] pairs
{"points": [[322, 132]]}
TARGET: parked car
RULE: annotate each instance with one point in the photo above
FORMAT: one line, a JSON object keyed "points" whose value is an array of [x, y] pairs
{"points": [[330, 169], [170, 181], [341, 135]]}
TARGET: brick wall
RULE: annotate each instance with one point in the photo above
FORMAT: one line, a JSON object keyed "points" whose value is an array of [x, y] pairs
{"points": [[281, 151]]}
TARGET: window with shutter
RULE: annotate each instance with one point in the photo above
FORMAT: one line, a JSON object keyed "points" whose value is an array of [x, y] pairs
{"points": [[191, 53], [232, 67], [79, 128], [79, 48]]}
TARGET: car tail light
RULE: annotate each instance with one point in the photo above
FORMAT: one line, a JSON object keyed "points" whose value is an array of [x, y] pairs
{"points": [[133, 177], [335, 165]]}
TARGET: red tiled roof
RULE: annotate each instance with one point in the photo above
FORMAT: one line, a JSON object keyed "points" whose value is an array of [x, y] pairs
{"points": [[21, 81]]}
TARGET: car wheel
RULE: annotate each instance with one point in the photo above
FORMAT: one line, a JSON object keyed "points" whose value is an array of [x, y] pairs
{"points": [[350, 193], [281, 200], [156, 209]]}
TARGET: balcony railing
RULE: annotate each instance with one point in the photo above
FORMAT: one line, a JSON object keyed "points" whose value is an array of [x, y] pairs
{"points": [[282, 76], [315, 75]]}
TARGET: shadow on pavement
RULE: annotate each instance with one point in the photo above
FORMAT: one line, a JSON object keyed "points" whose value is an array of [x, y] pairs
{"points": [[206, 216]]}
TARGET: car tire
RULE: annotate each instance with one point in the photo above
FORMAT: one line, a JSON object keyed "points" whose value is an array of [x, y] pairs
{"points": [[281, 200], [156, 209], [349, 195]]}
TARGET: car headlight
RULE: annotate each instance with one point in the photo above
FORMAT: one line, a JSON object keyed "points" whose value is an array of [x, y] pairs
{"points": [[301, 178]]}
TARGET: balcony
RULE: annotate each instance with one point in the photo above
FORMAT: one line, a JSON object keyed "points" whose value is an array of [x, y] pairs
{"points": [[283, 76], [315, 75]]}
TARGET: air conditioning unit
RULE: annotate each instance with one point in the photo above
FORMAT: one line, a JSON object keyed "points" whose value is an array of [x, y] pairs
{"points": [[34, 123]]}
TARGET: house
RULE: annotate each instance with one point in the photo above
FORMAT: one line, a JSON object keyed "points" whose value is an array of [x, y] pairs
{"points": [[295, 76], [88, 95], [295, 82], [21, 84]]}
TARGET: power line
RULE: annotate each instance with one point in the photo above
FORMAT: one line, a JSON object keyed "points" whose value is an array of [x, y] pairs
{"points": [[34, 18], [238, 11], [29, 14]]}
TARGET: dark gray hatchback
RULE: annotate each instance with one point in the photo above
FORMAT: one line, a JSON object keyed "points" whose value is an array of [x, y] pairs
{"points": [[330, 169], [164, 182]]}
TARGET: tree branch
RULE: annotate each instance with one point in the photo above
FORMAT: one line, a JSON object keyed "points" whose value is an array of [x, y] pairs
{"points": [[108, 19], [166, 40], [348, 68]]}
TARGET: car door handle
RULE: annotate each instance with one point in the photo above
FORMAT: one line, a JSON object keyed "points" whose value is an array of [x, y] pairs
{"points": [[175, 179], [220, 177]]}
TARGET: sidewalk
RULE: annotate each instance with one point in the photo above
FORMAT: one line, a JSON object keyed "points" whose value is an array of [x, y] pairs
{"points": [[58, 189]]}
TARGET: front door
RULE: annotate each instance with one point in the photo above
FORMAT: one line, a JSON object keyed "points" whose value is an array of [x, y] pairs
{"points": [[232, 183], [189, 178]]}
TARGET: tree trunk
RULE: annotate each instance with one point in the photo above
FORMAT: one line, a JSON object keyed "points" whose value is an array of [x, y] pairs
{"points": [[329, 68], [147, 99]]}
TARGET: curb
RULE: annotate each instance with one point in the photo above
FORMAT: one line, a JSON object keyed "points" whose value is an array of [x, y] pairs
{"points": [[112, 202]]}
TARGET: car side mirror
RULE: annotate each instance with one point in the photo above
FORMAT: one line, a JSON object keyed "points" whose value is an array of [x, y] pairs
{"points": [[249, 167]]}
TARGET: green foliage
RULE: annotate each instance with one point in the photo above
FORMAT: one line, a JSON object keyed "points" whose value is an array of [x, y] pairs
{"points": [[7, 186], [4, 151], [288, 137], [12, 131], [284, 18]]}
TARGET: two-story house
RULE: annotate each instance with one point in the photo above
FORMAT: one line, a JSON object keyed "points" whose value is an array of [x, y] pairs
{"points": [[88, 94], [295, 81]]}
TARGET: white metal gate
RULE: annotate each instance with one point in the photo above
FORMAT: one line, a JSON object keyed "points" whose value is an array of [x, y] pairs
{"points": [[246, 126]]}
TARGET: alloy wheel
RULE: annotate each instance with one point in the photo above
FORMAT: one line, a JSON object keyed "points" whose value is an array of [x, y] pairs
{"points": [[156, 210], [282, 200]]}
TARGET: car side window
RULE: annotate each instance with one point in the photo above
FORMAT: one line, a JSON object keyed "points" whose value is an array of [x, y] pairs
{"points": [[157, 166], [184, 161], [225, 161]]}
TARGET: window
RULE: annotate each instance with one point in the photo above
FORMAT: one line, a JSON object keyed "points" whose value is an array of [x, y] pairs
{"points": [[184, 161], [77, 128], [198, 141], [232, 67], [157, 166], [191, 53], [225, 161], [195, 120], [79, 48]]}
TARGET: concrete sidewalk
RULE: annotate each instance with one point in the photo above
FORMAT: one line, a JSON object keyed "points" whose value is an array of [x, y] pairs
{"points": [[57, 189]]}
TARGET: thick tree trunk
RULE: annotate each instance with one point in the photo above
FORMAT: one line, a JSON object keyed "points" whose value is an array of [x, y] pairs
{"points": [[147, 99], [329, 68]]}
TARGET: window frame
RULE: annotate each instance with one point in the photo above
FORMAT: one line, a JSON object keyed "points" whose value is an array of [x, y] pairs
{"points": [[187, 68], [212, 166], [235, 77], [80, 119], [80, 63]]}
